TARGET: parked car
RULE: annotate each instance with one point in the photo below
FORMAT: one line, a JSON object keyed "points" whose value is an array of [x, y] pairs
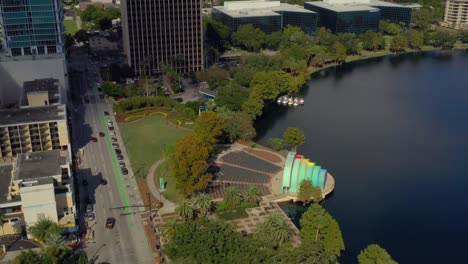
{"points": [[103, 181], [124, 171], [122, 164], [101, 134], [110, 222], [115, 145], [93, 139], [114, 139], [88, 200], [179, 100], [89, 216], [120, 157], [118, 151], [111, 128], [112, 133], [89, 208], [106, 113]]}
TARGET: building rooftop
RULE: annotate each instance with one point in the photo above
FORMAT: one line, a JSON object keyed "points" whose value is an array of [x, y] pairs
{"points": [[258, 8], [39, 165], [50, 85], [32, 115], [353, 5]]}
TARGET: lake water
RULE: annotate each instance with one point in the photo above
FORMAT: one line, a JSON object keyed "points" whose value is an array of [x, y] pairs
{"points": [[394, 133]]}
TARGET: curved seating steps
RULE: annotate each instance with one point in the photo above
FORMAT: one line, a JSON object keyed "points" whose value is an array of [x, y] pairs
{"points": [[244, 159], [230, 173]]}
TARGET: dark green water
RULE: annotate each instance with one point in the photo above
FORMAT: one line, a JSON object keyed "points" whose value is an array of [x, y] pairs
{"points": [[394, 133]]}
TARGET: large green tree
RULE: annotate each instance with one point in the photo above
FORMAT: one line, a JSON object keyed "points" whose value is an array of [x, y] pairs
{"points": [[415, 39], [274, 229], [308, 193], [249, 37], [339, 52], [232, 96], [111, 89], [319, 226], [237, 125], [209, 126], [399, 43], [214, 241], [310, 252], [294, 136], [189, 162], [252, 194], [389, 28], [267, 86], [351, 42], [372, 41], [374, 254]]}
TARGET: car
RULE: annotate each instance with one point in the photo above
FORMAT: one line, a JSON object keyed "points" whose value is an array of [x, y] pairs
{"points": [[89, 208], [88, 200], [124, 171], [84, 182], [115, 145], [111, 128], [93, 139], [101, 134], [118, 151], [103, 181], [110, 222], [89, 216], [112, 133], [120, 157], [106, 113], [114, 140], [122, 164]]}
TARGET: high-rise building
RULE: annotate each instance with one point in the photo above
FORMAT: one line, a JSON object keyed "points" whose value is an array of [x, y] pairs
{"points": [[456, 14], [31, 27], [162, 31], [31, 46]]}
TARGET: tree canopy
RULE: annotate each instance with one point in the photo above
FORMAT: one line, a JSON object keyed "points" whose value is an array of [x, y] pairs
{"points": [[237, 125], [189, 162], [94, 17], [294, 136], [44, 229], [308, 193], [319, 226], [374, 254], [232, 96], [209, 126], [249, 37]]}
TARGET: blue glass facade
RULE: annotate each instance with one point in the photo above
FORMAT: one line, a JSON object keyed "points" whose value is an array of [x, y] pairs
{"points": [[270, 23], [31, 26], [358, 21], [395, 14]]}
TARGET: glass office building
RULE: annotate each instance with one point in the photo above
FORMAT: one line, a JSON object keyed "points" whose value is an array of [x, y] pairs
{"points": [[30, 27], [268, 16], [358, 16]]}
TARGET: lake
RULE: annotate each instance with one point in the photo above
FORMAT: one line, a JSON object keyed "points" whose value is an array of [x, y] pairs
{"points": [[393, 132]]}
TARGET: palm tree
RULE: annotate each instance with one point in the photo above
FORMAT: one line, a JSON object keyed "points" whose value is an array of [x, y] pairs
{"points": [[43, 229], [184, 209], [203, 202], [281, 232], [232, 196], [252, 194], [55, 240], [275, 228], [169, 230]]}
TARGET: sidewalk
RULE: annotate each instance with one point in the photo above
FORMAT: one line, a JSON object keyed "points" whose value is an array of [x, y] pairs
{"points": [[168, 206]]}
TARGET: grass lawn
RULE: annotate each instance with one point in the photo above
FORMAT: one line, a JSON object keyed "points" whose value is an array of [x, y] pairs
{"points": [[232, 215], [171, 193], [146, 139], [71, 27]]}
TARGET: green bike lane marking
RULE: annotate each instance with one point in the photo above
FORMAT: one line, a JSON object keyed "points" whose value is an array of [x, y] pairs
{"points": [[122, 192]]}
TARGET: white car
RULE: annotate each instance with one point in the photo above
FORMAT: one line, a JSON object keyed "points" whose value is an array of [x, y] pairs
{"points": [[112, 133], [89, 208]]}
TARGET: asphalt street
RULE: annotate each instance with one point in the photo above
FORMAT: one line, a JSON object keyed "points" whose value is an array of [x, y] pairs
{"points": [[126, 242]]}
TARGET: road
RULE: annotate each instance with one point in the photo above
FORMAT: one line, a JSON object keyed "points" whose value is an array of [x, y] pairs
{"points": [[126, 242]]}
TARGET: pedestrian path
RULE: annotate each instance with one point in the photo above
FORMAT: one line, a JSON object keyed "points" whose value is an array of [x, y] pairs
{"points": [[168, 206]]}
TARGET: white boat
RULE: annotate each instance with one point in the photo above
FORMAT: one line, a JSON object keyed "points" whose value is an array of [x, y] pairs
{"points": [[295, 103], [301, 101], [290, 103], [279, 101], [290, 99]]}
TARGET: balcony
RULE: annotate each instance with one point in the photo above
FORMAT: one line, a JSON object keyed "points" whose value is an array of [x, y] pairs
{"points": [[14, 135]]}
